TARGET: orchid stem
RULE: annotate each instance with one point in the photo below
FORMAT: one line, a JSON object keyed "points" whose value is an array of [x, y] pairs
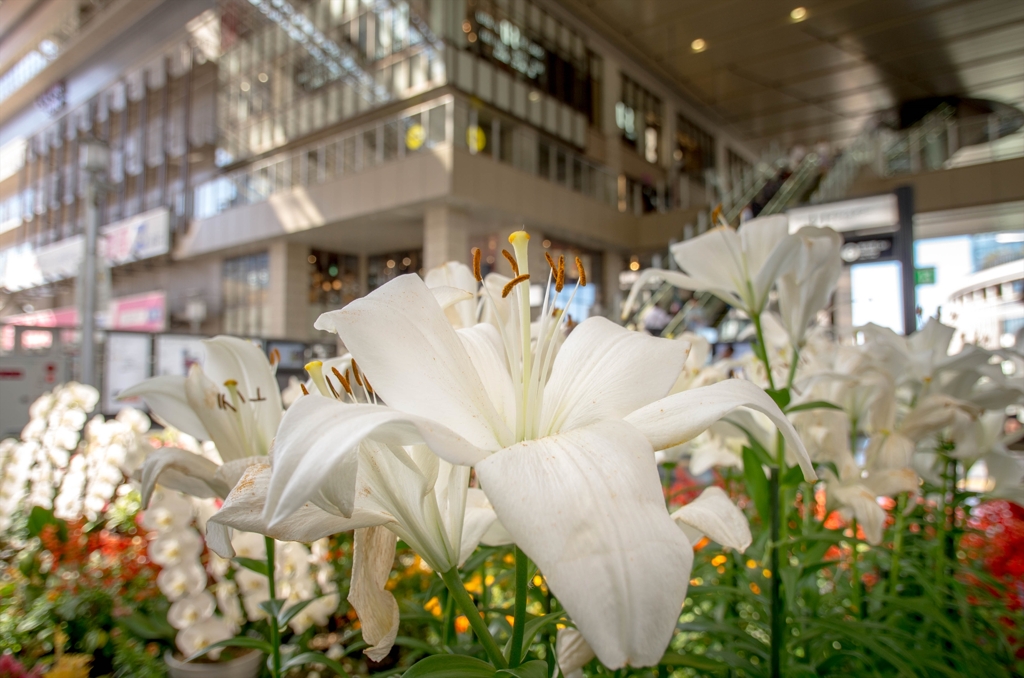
{"points": [[897, 546], [275, 632], [458, 591], [519, 620]]}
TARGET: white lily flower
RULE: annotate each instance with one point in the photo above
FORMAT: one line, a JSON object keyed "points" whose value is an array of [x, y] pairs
{"points": [[738, 267], [572, 652], [713, 514], [806, 287], [563, 445], [232, 400], [855, 493]]}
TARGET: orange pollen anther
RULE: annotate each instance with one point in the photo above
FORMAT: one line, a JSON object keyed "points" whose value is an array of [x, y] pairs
{"points": [[560, 276], [342, 380], [275, 356], [355, 373], [512, 283], [582, 271], [476, 265], [304, 390], [551, 263], [511, 260]]}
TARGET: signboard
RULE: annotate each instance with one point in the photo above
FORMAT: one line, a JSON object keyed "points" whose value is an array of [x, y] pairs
{"points": [[874, 212], [23, 378], [141, 312], [127, 363], [924, 276], [176, 354], [867, 249], [140, 237]]}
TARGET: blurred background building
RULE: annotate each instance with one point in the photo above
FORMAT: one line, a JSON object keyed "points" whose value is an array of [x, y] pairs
{"points": [[272, 159]]}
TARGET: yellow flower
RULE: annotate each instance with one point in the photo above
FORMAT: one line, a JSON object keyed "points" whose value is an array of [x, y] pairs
{"points": [[70, 666]]}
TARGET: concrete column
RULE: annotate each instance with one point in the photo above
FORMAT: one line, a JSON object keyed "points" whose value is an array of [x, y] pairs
{"points": [[445, 236], [611, 83], [614, 263], [289, 291]]}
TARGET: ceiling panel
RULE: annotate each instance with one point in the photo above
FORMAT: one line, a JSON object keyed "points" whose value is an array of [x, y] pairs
{"points": [[822, 78]]}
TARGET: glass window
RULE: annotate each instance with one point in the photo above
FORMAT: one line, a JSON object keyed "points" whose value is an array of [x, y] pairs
{"points": [[695, 149], [638, 114], [246, 284], [384, 267]]}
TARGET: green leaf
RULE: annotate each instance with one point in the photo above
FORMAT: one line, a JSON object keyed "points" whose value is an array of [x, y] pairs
{"points": [[534, 626], [535, 669], [757, 482], [450, 666], [147, 628], [273, 607], [304, 658], [693, 661], [814, 405], [39, 518], [792, 477], [780, 396], [257, 566], [238, 641], [285, 615]]}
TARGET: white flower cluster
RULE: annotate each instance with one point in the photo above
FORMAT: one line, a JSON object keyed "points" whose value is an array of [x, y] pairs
{"points": [[176, 548], [54, 466]]}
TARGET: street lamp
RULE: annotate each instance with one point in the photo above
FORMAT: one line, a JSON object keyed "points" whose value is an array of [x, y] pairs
{"points": [[93, 160]]}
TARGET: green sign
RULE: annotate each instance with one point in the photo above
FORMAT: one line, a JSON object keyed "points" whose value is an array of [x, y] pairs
{"points": [[924, 276]]}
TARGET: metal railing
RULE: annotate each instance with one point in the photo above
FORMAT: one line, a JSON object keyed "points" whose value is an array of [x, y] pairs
{"points": [[447, 120]]}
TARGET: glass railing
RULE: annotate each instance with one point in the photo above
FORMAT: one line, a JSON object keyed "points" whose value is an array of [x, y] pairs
{"points": [[441, 121]]}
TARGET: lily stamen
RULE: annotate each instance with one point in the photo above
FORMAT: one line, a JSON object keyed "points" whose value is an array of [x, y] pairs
{"points": [[305, 391], [355, 373], [476, 265], [560, 277], [512, 283], [582, 272], [342, 380], [512, 261]]}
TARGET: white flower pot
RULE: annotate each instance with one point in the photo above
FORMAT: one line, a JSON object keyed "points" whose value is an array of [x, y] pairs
{"points": [[246, 666]]}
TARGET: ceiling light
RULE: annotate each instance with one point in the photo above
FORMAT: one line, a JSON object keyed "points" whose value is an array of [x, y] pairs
{"points": [[534, 95], [798, 14], [244, 87], [698, 45], [263, 77]]}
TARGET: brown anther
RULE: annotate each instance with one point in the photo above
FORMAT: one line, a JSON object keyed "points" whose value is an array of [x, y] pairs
{"points": [[582, 272], [512, 283], [342, 380], [334, 391], [551, 263], [275, 356], [511, 260], [355, 373], [304, 390], [367, 383], [476, 265], [560, 276]]}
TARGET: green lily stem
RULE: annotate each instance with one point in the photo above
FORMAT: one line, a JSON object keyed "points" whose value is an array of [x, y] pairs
{"points": [[764, 349], [897, 543], [458, 591], [275, 632], [792, 367], [855, 572], [519, 620], [940, 558]]}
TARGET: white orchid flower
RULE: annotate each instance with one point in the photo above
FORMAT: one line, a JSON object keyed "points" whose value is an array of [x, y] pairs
{"points": [[233, 400], [563, 444], [738, 267], [203, 634], [807, 286], [190, 610]]}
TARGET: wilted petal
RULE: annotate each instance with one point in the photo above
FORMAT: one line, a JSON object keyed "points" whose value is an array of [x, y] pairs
{"points": [[572, 652], [604, 371], [183, 471], [231, 472], [587, 507], [373, 554], [415, 360], [243, 510], [681, 417], [165, 396], [316, 450], [713, 514]]}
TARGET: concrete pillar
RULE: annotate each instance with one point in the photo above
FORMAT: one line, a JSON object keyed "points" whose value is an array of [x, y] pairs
{"points": [[289, 291], [445, 236], [611, 83], [614, 263]]}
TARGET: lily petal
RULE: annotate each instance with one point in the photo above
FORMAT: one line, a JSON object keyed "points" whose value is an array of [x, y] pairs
{"points": [[318, 441], [165, 396], [183, 471], [682, 416], [485, 349], [241, 360], [373, 554], [455, 275], [587, 507], [715, 260], [713, 514], [480, 517], [243, 510], [224, 428], [596, 375], [415, 360], [572, 652]]}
